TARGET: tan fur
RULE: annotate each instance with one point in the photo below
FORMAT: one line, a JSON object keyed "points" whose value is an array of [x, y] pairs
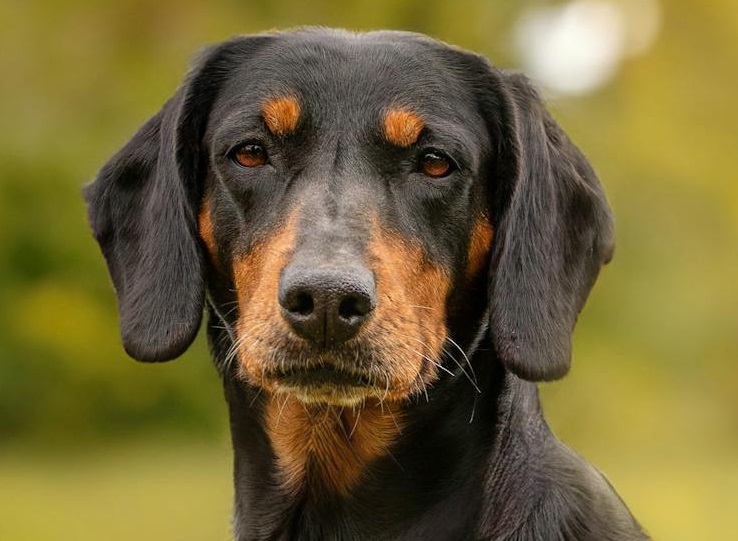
{"points": [[207, 231], [480, 244], [406, 329], [399, 346], [410, 317], [256, 277], [281, 115], [324, 448], [402, 127]]}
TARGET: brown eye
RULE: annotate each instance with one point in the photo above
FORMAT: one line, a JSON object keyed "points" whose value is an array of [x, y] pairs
{"points": [[436, 164], [250, 155]]}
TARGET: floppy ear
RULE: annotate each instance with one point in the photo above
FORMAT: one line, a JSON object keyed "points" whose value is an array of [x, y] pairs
{"points": [[554, 232], [142, 209]]}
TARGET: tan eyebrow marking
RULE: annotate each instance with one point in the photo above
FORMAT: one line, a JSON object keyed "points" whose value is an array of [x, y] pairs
{"points": [[402, 127], [281, 115]]}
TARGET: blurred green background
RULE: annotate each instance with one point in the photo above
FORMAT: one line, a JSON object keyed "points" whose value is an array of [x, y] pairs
{"points": [[96, 446]]}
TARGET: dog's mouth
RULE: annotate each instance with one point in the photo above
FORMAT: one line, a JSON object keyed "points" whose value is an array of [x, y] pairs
{"points": [[321, 375], [324, 384]]}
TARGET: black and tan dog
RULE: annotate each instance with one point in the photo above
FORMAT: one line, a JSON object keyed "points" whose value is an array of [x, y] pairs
{"points": [[393, 240]]}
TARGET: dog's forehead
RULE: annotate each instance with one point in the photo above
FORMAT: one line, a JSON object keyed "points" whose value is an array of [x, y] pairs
{"points": [[339, 74]]}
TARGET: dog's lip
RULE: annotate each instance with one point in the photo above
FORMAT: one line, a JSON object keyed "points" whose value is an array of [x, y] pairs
{"points": [[321, 375]]}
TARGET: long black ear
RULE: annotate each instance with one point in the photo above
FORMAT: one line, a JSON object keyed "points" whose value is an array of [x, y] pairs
{"points": [[142, 209], [554, 232]]}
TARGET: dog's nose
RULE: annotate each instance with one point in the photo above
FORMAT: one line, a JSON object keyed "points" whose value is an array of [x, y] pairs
{"points": [[326, 306]]}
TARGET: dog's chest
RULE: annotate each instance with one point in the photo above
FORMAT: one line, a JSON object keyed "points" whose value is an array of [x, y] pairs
{"points": [[322, 451]]}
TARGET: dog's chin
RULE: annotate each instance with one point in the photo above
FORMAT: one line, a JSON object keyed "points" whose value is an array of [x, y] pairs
{"points": [[335, 377], [323, 385], [327, 394]]}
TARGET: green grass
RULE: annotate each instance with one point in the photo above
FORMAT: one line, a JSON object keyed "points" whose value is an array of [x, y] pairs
{"points": [[142, 492]]}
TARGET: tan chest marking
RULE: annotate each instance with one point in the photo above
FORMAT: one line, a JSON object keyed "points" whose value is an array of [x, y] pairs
{"points": [[321, 448]]}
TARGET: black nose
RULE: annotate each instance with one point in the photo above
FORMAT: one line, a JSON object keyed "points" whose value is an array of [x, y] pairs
{"points": [[326, 306]]}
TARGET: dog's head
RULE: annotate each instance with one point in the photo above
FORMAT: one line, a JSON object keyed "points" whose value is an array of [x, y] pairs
{"points": [[355, 206]]}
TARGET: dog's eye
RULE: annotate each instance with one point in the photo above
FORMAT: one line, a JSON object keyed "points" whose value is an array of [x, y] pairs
{"points": [[436, 164], [250, 155]]}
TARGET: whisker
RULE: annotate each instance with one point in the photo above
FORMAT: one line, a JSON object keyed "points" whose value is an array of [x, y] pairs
{"points": [[256, 395], [421, 388], [463, 370], [356, 423], [438, 365], [429, 359], [422, 307], [472, 378], [281, 409], [339, 422], [386, 390], [397, 462], [468, 362], [394, 420], [474, 409]]}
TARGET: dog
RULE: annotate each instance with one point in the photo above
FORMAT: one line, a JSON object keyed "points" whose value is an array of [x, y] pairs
{"points": [[392, 240]]}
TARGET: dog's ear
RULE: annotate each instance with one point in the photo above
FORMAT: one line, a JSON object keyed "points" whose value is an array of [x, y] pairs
{"points": [[142, 209], [553, 233]]}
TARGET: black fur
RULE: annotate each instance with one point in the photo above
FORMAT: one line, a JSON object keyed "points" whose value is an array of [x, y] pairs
{"points": [[555, 231], [476, 460]]}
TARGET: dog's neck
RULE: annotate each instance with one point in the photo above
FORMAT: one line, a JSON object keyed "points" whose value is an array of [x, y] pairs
{"points": [[323, 449], [319, 469]]}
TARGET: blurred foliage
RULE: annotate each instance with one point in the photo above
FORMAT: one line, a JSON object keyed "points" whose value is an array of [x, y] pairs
{"points": [[652, 396]]}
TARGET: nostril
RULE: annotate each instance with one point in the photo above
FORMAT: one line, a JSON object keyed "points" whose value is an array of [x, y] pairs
{"points": [[353, 307], [324, 305], [301, 302]]}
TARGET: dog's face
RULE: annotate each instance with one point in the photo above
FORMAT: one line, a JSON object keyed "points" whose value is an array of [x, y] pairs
{"points": [[337, 195], [341, 208]]}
